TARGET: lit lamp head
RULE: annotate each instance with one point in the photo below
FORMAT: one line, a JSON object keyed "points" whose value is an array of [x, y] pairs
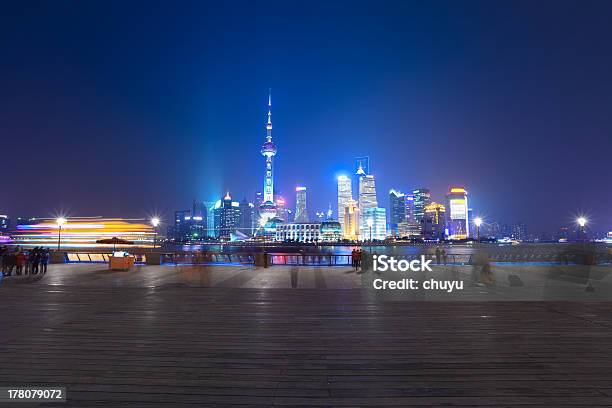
{"points": [[155, 221], [370, 222], [478, 221], [581, 221], [61, 221]]}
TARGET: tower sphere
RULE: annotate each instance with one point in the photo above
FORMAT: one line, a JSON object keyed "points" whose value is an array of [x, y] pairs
{"points": [[268, 149]]}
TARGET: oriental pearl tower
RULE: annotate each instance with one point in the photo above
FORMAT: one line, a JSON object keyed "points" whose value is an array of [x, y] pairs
{"points": [[267, 209]]}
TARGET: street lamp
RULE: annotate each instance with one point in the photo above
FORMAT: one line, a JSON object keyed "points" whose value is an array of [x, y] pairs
{"points": [[155, 223], [478, 223], [370, 223], [582, 221], [60, 221]]}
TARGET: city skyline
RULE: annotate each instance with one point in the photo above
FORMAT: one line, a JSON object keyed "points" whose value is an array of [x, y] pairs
{"points": [[529, 143]]}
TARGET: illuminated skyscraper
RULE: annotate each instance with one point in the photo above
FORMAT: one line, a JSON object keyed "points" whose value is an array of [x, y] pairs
{"points": [[258, 202], [422, 197], [409, 208], [351, 220], [434, 221], [378, 230], [345, 194], [267, 209], [397, 210], [458, 220], [301, 211], [227, 217], [367, 193], [246, 217], [367, 197], [281, 208]]}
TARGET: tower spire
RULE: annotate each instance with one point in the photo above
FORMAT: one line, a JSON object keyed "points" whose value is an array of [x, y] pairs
{"points": [[269, 125]]}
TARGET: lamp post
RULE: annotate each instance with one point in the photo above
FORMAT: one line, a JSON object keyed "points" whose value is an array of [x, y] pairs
{"points": [[155, 223], [582, 221], [478, 223], [60, 221], [370, 223]]}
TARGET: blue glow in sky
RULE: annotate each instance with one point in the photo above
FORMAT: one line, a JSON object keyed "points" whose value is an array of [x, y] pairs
{"points": [[124, 108]]}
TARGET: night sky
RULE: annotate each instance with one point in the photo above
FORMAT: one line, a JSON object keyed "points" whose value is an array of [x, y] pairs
{"points": [[133, 108]]}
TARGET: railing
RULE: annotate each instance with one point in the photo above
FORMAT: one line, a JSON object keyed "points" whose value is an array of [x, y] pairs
{"points": [[87, 257], [203, 258], [309, 259], [331, 259]]}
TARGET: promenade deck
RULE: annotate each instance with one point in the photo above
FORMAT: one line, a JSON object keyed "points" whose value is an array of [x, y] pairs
{"points": [[243, 336]]}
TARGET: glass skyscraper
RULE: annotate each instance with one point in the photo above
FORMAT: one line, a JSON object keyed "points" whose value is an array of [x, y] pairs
{"points": [[345, 194], [458, 222], [378, 217], [422, 197], [301, 212], [397, 210], [434, 221], [367, 197]]}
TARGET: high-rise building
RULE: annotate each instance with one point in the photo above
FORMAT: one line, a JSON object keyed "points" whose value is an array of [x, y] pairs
{"points": [[4, 223], [434, 221], [397, 210], [180, 230], [471, 218], [211, 232], [422, 197], [409, 207], [227, 217], [246, 218], [198, 220], [258, 202], [458, 222], [351, 220], [301, 211], [345, 194], [375, 221], [267, 209], [490, 229], [282, 212], [367, 196], [519, 232]]}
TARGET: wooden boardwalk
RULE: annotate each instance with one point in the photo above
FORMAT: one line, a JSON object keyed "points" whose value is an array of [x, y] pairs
{"points": [[173, 345]]}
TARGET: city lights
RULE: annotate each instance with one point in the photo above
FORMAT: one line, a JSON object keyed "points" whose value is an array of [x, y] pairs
{"points": [[155, 223], [581, 221], [478, 223], [60, 222]]}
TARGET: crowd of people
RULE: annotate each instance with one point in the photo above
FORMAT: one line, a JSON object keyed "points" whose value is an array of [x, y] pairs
{"points": [[30, 262], [356, 258]]}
